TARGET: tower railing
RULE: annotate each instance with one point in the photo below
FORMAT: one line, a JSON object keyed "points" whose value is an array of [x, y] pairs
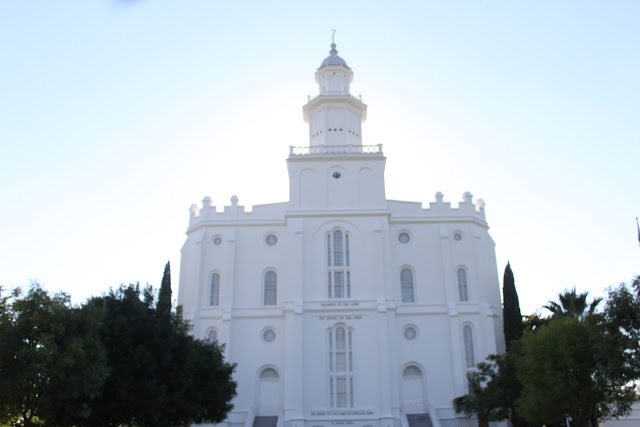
{"points": [[335, 149]]}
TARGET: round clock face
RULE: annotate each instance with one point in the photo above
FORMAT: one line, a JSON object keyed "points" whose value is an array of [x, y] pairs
{"points": [[403, 238], [457, 237], [217, 241]]}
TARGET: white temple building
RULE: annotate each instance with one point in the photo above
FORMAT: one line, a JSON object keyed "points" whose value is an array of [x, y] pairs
{"points": [[341, 306]]}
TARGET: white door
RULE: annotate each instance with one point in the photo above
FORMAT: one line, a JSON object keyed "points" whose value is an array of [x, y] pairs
{"points": [[413, 391], [269, 392]]}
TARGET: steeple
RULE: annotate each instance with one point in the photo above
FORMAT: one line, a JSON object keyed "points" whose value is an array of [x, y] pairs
{"points": [[335, 116]]}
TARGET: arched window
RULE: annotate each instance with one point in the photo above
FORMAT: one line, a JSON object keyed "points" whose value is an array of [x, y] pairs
{"points": [[213, 336], [340, 368], [406, 283], [215, 289], [338, 261], [411, 371], [270, 288], [269, 373], [468, 346], [462, 285]]}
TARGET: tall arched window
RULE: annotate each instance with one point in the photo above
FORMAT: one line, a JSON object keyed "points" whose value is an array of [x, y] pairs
{"points": [[270, 288], [340, 368], [468, 346], [215, 289], [406, 284], [462, 285], [338, 260], [213, 336]]}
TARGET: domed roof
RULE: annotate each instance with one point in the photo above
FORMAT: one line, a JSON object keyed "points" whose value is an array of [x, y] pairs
{"points": [[333, 58]]}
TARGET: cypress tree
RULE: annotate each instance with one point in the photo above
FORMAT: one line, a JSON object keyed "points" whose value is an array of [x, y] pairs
{"points": [[163, 307], [511, 315]]}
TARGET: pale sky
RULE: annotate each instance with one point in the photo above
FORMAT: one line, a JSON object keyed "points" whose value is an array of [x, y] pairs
{"points": [[116, 116]]}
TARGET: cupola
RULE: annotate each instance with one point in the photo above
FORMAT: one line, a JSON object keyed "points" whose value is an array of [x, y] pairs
{"points": [[335, 116], [334, 75]]}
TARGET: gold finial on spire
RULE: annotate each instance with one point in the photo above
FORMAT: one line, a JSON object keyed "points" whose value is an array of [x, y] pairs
{"points": [[332, 36]]}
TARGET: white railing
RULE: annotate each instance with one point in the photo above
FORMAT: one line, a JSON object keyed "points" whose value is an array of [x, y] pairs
{"points": [[309, 99], [335, 149]]}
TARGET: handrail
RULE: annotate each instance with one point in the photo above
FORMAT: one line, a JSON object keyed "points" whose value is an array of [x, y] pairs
{"points": [[335, 149]]}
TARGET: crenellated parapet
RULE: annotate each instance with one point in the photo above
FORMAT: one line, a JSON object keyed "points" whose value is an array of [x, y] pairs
{"points": [[208, 214], [439, 210]]}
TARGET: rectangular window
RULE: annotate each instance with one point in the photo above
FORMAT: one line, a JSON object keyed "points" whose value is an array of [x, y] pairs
{"points": [[341, 362], [351, 392], [346, 245], [340, 368], [338, 261], [215, 289], [331, 393], [337, 249], [341, 392], [339, 284]]}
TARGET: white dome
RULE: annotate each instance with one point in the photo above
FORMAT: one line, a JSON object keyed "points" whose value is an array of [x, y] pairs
{"points": [[333, 58]]}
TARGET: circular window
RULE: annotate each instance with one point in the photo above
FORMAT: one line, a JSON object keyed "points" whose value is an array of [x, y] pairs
{"points": [[457, 237], [410, 333], [336, 175], [217, 241], [269, 335], [404, 238], [271, 240]]}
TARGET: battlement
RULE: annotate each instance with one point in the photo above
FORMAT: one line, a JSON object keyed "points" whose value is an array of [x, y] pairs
{"points": [[398, 211], [236, 212], [439, 209]]}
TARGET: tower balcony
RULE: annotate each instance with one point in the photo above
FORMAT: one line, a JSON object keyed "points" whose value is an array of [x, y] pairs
{"points": [[332, 150]]}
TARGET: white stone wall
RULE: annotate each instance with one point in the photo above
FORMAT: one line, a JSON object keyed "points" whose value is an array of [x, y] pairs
{"points": [[336, 183], [375, 312]]}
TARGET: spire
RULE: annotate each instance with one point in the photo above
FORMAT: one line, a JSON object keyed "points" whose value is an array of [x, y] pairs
{"points": [[333, 58], [334, 116]]}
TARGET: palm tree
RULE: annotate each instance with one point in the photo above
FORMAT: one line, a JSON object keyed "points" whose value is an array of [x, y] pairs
{"points": [[572, 304]]}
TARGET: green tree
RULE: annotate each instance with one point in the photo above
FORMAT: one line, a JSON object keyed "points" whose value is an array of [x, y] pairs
{"points": [[52, 363], [511, 315], [622, 331], [163, 307], [159, 374], [493, 390], [572, 304], [561, 374]]}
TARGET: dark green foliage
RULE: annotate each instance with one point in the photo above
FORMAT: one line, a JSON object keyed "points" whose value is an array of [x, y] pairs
{"points": [[163, 307], [577, 362], [622, 330], [561, 374], [572, 304], [492, 390], [512, 317], [120, 360], [52, 363], [160, 375]]}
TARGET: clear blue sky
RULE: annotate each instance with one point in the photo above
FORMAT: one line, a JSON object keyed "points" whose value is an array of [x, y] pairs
{"points": [[115, 116]]}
